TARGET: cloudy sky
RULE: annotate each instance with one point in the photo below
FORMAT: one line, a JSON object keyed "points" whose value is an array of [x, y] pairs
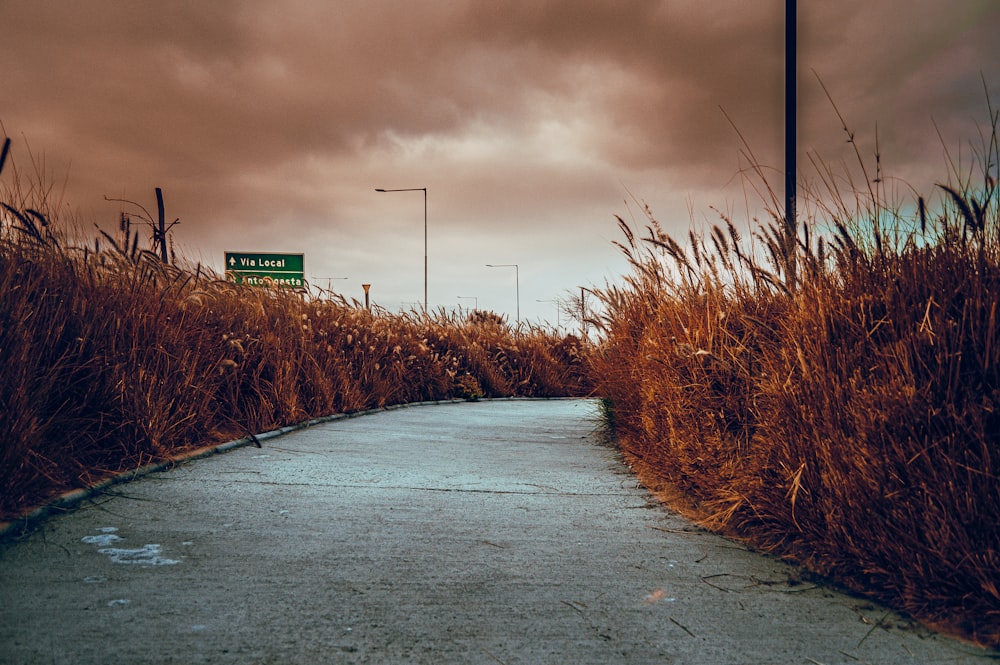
{"points": [[269, 125]]}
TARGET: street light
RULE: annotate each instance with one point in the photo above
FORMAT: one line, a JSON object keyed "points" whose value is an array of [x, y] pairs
{"points": [[476, 298], [517, 285], [329, 282], [424, 190], [556, 303]]}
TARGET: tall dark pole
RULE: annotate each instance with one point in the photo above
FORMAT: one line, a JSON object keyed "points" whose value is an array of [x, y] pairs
{"points": [[160, 233], [426, 313], [791, 69]]}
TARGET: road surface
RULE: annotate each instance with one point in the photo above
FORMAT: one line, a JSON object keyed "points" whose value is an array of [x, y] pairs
{"points": [[489, 532]]}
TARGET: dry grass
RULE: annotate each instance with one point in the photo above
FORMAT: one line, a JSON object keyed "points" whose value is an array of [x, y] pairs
{"points": [[110, 359], [833, 398], [830, 397]]}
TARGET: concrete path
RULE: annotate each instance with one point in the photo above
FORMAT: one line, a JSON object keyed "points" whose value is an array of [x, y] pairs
{"points": [[492, 532]]}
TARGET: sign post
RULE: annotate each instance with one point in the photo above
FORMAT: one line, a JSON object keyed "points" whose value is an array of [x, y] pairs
{"points": [[266, 269]]}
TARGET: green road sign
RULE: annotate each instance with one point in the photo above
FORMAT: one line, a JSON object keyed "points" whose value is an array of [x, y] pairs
{"points": [[266, 269]]}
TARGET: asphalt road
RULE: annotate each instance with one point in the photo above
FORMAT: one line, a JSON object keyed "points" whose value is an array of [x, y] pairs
{"points": [[490, 532]]}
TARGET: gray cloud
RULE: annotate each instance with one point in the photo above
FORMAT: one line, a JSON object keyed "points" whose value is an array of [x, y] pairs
{"points": [[530, 122]]}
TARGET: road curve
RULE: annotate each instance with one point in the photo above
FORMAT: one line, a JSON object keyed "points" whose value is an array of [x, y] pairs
{"points": [[489, 532]]}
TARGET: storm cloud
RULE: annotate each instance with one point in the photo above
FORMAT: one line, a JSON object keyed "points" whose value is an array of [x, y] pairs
{"points": [[531, 123]]}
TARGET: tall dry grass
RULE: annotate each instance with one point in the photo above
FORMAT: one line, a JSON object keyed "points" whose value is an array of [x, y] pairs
{"points": [[110, 359], [832, 397]]}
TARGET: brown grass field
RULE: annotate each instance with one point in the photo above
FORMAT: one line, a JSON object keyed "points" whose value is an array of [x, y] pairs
{"points": [[828, 392], [111, 359], [830, 397]]}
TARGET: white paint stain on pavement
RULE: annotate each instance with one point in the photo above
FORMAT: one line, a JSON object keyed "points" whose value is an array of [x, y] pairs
{"points": [[106, 537], [149, 554]]}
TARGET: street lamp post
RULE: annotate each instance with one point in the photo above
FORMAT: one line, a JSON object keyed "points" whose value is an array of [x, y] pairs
{"points": [[329, 282], [517, 285], [424, 190], [556, 303], [476, 298]]}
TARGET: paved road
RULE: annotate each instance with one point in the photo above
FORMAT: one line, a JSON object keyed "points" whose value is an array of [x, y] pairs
{"points": [[491, 532]]}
